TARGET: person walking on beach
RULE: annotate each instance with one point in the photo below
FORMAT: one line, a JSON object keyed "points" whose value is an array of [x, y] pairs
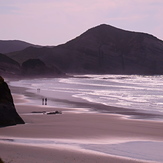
{"points": [[42, 101], [46, 100]]}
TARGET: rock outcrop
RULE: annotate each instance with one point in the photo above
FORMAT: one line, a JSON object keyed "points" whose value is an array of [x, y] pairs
{"points": [[8, 66], [36, 67], [8, 114]]}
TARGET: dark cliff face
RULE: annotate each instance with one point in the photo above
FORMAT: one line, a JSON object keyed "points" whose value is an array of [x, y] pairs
{"points": [[107, 49], [8, 65], [36, 67], [8, 114]]}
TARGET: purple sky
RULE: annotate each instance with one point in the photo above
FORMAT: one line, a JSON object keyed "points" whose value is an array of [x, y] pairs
{"points": [[53, 22]]}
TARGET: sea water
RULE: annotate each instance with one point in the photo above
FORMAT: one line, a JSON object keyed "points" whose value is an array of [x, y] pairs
{"points": [[127, 91]]}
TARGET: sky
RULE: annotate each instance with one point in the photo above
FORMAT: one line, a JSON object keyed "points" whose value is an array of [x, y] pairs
{"points": [[54, 22]]}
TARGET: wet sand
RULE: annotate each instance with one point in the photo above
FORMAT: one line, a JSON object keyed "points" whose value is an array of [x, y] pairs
{"points": [[75, 127]]}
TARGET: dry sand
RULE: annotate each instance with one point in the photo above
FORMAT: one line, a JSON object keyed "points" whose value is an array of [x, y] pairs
{"points": [[75, 127]]}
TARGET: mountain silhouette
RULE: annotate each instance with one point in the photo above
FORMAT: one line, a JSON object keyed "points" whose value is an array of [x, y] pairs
{"points": [[103, 49], [7, 46]]}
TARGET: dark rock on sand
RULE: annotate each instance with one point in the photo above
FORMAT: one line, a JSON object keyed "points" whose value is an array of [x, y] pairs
{"points": [[54, 112], [8, 114]]}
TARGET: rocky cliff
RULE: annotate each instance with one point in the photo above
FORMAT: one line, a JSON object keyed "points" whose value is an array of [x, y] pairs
{"points": [[106, 49], [8, 66], [37, 68], [102, 49], [8, 114]]}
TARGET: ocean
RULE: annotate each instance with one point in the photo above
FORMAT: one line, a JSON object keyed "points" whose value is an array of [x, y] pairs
{"points": [[143, 93]]}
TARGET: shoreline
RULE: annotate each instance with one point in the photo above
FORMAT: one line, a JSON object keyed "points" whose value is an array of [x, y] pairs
{"points": [[91, 129], [112, 150], [90, 106]]}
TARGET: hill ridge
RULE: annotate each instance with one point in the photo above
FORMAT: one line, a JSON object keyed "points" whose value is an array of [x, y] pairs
{"points": [[103, 49]]}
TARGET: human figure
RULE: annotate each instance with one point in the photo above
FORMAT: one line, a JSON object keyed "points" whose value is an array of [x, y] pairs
{"points": [[46, 100], [42, 101]]}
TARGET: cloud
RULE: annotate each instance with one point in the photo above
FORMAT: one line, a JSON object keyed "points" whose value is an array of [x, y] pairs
{"points": [[137, 15], [57, 21]]}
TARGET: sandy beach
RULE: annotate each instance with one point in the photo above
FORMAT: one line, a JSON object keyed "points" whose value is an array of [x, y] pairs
{"points": [[77, 136]]}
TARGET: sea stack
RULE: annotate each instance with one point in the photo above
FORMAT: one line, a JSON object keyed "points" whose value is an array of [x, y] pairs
{"points": [[8, 114]]}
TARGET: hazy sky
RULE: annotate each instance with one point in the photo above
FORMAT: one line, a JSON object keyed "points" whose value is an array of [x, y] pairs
{"points": [[53, 22]]}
